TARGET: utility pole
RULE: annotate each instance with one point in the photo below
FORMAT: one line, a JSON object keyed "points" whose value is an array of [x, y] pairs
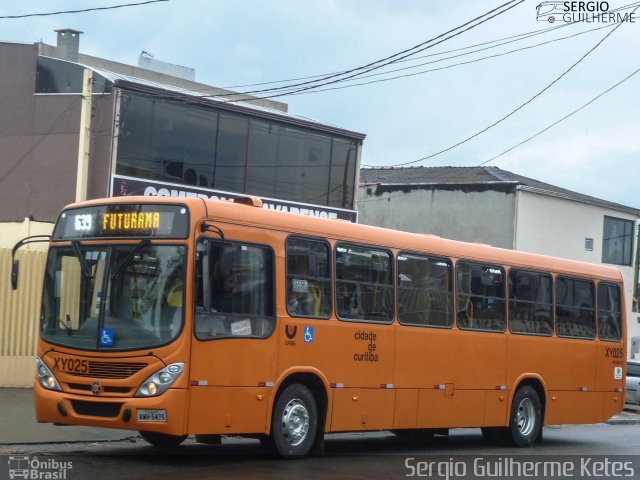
{"points": [[84, 145]]}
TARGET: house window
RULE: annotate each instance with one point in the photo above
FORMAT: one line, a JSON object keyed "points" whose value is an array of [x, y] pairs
{"points": [[617, 241], [588, 244]]}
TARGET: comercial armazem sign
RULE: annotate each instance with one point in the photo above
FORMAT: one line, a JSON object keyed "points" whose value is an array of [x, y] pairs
{"points": [[126, 186]]}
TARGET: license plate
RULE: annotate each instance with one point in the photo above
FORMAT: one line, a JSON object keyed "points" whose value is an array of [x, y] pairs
{"points": [[152, 415]]}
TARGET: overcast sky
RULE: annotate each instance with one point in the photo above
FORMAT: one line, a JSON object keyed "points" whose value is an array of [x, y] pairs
{"points": [[238, 42]]}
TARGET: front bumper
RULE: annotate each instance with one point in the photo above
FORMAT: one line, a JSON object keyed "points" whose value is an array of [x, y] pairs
{"points": [[112, 412]]}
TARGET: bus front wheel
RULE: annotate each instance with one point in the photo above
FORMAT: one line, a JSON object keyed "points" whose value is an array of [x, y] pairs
{"points": [[162, 439], [525, 421], [295, 422]]}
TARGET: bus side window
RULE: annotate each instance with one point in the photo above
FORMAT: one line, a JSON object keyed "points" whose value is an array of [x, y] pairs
{"points": [[609, 312], [364, 284], [530, 302], [425, 291], [308, 278], [240, 297], [481, 296], [575, 308]]}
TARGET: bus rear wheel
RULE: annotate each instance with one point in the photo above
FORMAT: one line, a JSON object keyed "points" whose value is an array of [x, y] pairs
{"points": [[294, 424], [525, 421], [162, 439]]}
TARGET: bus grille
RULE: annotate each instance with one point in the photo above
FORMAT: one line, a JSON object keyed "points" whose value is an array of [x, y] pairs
{"points": [[111, 370], [106, 388], [96, 409]]}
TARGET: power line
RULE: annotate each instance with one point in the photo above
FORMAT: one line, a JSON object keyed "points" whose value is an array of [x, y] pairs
{"points": [[83, 10], [563, 118], [360, 75], [520, 107], [517, 37], [384, 61], [549, 127], [422, 72]]}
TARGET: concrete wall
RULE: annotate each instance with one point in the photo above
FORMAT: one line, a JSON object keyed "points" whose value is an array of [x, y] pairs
{"points": [[558, 227], [472, 215]]}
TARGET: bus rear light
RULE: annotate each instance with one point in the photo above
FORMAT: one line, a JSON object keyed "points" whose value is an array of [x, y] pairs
{"points": [[46, 377], [159, 382]]}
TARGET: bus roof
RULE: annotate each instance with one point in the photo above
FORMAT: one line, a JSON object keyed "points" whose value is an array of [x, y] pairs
{"points": [[229, 211]]}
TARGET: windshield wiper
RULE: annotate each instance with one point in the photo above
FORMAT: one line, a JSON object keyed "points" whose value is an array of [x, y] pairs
{"points": [[83, 262], [118, 270]]}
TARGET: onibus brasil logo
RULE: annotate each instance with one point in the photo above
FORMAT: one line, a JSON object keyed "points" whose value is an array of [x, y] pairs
{"points": [[35, 469]]}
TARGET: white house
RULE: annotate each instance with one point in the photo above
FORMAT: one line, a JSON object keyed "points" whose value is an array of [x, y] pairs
{"points": [[503, 209]]}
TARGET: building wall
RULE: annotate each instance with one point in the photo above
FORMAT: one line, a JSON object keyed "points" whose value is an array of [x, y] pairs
{"points": [[12, 232], [39, 136], [473, 215], [38, 141], [558, 227]]}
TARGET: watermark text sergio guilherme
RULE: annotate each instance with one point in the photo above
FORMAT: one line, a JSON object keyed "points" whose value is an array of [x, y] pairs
{"points": [[509, 467]]}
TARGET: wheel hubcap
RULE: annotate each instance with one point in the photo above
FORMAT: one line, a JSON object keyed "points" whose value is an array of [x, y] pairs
{"points": [[526, 417], [295, 422]]}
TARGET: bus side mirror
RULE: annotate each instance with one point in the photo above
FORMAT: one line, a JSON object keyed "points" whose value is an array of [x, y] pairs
{"points": [[15, 268], [15, 265]]}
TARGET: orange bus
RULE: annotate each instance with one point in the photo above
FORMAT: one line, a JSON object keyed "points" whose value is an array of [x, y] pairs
{"points": [[188, 316]]}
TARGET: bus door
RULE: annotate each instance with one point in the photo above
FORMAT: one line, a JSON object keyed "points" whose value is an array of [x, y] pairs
{"points": [[362, 341], [572, 384], [611, 355], [346, 336], [233, 355]]}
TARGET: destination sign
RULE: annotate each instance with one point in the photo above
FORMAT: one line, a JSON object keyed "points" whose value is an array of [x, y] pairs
{"points": [[123, 220]]}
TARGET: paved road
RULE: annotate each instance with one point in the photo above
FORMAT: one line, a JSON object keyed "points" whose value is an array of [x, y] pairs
{"points": [[354, 456]]}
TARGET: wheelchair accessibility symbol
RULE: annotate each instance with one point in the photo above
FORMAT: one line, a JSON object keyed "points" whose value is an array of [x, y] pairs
{"points": [[106, 337], [308, 334]]}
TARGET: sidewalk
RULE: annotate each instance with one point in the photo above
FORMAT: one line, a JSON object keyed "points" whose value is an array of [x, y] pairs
{"points": [[19, 426], [629, 416]]}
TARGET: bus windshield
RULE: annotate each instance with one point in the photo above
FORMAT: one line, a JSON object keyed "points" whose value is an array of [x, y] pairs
{"points": [[118, 297]]}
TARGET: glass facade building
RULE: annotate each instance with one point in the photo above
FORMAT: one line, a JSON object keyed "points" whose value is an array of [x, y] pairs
{"points": [[165, 139], [188, 141]]}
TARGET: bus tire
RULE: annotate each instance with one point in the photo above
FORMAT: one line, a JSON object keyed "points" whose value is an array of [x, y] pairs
{"points": [[525, 421], [162, 439], [294, 424]]}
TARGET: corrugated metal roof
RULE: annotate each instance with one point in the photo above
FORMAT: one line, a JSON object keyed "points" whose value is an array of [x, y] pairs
{"points": [[433, 176]]}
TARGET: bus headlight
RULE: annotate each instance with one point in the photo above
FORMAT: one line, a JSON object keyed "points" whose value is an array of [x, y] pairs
{"points": [[159, 382], [46, 377]]}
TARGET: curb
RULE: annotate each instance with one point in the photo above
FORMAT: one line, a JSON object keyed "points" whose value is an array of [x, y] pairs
{"points": [[68, 442], [624, 421]]}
